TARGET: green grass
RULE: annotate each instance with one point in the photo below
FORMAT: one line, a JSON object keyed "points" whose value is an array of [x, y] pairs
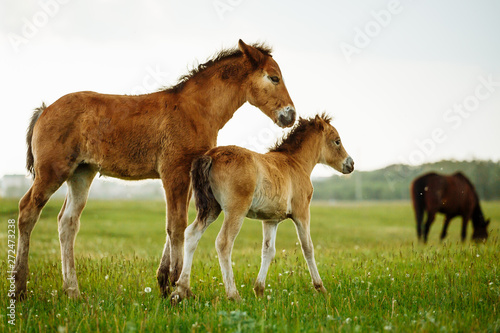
{"points": [[378, 277]]}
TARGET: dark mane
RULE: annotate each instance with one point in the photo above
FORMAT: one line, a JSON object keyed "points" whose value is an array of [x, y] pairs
{"points": [[220, 56], [299, 133]]}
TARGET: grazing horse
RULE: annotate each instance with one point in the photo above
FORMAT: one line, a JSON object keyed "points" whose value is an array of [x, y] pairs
{"points": [[270, 187], [451, 195], [154, 135]]}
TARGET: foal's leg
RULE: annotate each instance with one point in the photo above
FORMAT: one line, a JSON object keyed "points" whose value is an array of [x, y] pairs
{"points": [[445, 226], [430, 219], [302, 226], [192, 236], [268, 251], [69, 224], [45, 184], [177, 189], [224, 243]]}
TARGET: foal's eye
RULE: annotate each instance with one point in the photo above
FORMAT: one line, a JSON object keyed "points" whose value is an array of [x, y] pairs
{"points": [[274, 79], [337, 142]]}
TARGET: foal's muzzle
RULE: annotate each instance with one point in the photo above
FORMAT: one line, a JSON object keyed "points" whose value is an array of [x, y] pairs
{"points": [[348, 165], [286, 116]]}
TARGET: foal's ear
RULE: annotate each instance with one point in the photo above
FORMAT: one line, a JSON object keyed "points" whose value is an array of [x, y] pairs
{"points": [[252, 54], [319, 122]]}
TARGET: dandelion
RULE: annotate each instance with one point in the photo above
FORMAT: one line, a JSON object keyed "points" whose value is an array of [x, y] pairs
{"points": [[242, 286], [147, 290], [329, 317], [106, 277], [387, 327], [348, 320], [268, 297]]}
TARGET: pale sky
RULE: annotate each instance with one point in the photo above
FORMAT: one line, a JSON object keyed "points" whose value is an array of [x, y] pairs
{"points": [[406, 81]]}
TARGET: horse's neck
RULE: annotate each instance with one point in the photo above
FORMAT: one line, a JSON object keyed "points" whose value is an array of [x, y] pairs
{"points": [[214, 99], [307, 154], [477, 214]]}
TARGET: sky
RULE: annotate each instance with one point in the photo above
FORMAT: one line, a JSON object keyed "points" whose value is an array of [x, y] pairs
{"points": [[405, 81]]}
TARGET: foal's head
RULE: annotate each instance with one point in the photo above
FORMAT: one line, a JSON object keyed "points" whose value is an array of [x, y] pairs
{"points": [[265, 87], [332, 152], [326, 143]]}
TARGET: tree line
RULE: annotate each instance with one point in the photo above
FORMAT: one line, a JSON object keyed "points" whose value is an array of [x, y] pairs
{"points": [[393, 182]]}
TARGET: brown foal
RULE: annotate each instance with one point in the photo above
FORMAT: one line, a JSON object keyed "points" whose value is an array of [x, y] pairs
{"points": [[270, 187], [155, 135]]}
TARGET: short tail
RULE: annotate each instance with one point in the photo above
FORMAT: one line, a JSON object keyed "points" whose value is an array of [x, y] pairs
{"points": [[30, 161], [206, 204], [418, 198]]}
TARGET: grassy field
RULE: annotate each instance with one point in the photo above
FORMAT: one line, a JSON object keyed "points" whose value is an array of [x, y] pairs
{"points": [[378, 277]]}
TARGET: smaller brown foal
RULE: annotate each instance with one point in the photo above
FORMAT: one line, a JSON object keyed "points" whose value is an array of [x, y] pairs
{"points": [[271, 187]]}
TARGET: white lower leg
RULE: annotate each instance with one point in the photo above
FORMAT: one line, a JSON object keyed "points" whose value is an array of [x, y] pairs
{"points": [[308, 252], [268, 253], [224, 254], [192, 236], [69, 225]]}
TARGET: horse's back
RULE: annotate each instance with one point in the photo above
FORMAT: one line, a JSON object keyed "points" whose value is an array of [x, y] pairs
{"points": [[449, 194], [118, 134], [233, 174]]}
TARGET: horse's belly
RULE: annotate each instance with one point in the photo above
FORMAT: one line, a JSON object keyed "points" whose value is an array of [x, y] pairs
{"points": [[264, 208], [267, 215], [123, 167], [130, 174]]}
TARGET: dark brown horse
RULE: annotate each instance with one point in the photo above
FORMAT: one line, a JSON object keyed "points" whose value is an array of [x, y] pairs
{"points": [[451, 195], [138, 137]]}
